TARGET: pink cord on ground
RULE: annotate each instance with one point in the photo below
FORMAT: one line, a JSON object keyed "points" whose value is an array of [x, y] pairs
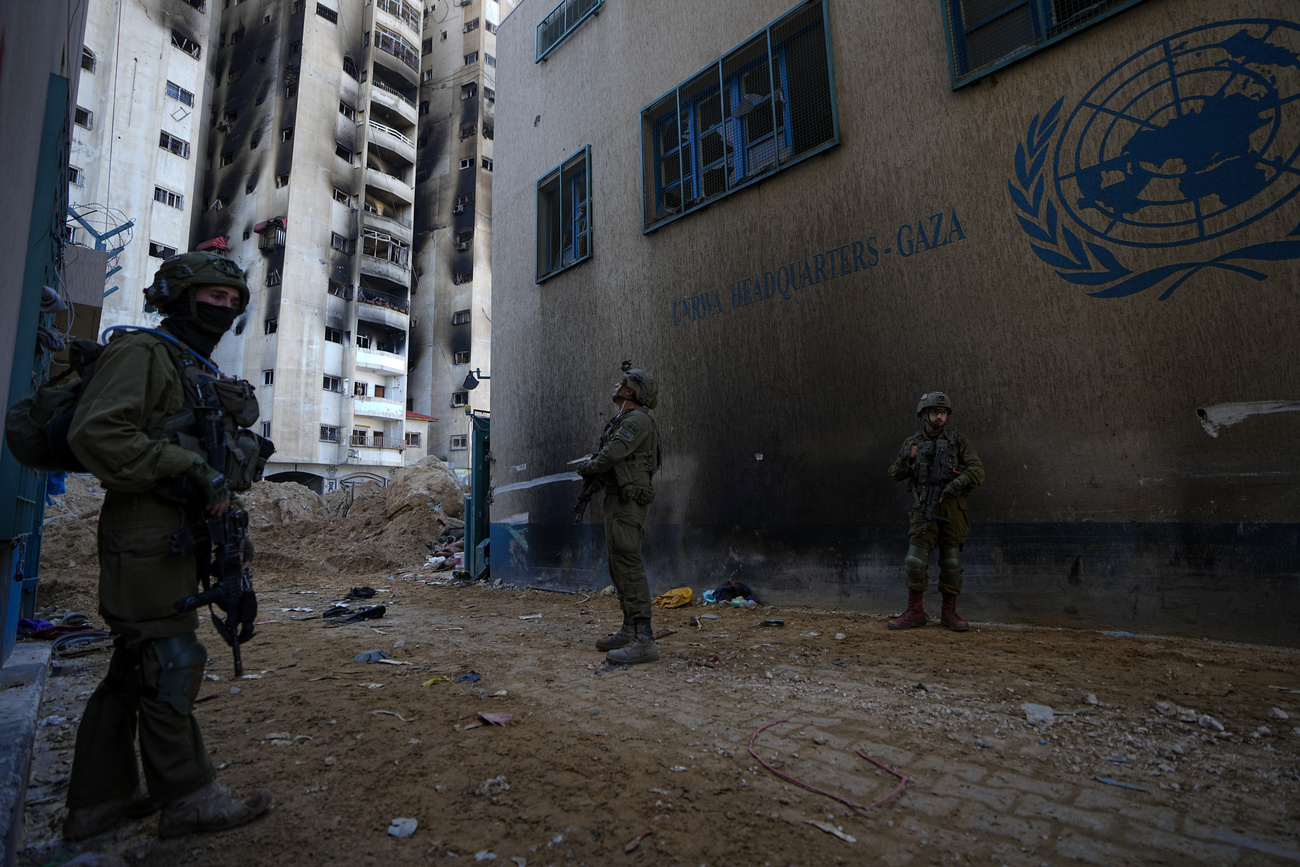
{"points": [[901, 786]]}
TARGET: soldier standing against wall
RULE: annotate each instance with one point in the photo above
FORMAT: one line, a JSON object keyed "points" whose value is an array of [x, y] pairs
{"points": [[624, 463], [941, 468], [155, 486]]}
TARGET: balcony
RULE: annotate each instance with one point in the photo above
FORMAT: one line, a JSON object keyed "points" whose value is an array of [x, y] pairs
{"points": [[393, 100], [384, 308], [388, 185], [391, 140], [396, 54], [380, 361], [402, 14], [378, 407], [398, 227]]}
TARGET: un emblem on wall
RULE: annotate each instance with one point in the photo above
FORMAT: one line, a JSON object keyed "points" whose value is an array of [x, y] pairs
{"points": [[1187, 141]]}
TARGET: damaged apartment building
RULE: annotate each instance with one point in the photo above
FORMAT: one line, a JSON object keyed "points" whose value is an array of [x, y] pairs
{"points": [[341, 153]]}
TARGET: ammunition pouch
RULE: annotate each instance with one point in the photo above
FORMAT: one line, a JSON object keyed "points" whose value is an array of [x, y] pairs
{"points": [[182, 658], [641, 495]]}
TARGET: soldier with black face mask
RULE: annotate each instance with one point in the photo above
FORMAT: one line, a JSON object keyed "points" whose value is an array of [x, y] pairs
{"points": [[940, 467], [134, 428]]}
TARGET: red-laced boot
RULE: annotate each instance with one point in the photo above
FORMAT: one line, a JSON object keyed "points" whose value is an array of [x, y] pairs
{"points": [[949, 617], [914, 615]]}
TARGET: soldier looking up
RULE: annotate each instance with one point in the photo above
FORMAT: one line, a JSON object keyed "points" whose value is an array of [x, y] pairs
{"points": [[625, 462], [940, 467], [135, 429]]}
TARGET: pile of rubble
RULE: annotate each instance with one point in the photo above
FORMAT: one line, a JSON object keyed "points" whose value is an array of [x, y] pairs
{"points": [[367, 528]]}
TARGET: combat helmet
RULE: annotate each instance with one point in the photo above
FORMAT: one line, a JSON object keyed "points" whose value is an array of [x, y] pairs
{"points": [[190, 270], [642, 384], [933, 400]]}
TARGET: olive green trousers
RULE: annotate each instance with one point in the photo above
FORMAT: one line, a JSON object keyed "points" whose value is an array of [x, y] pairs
{"points": [[624, 532], [172, 753]]}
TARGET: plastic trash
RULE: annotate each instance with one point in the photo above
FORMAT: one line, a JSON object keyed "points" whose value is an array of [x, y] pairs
{"points": [[1038, 713], [371, 656], [402, 827]]}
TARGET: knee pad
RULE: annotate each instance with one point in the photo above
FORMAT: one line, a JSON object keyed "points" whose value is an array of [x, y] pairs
{"points": [[950, 561], [916, 560], [182, 658]]}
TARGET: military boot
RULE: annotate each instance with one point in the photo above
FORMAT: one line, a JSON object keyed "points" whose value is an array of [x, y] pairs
{"points": [[86, 822], [640, 649], [212, 808], [618, 639], [949, 617], [914, 615]]}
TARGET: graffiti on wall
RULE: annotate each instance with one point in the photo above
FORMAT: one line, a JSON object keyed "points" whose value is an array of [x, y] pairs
{"points": [[1190, 140], [785, 281]]}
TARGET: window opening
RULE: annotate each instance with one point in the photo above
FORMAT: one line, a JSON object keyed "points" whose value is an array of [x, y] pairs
{"points": [[563, 209], [764, 106]]}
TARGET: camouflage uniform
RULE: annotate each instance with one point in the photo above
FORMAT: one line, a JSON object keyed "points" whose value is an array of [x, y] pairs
{"points": [[132, 426], [944, 457], [627, 457]]}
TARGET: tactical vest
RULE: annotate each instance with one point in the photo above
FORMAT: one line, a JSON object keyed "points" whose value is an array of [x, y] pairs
{"points": [[636, 470], [938, 454], [246, 451]]}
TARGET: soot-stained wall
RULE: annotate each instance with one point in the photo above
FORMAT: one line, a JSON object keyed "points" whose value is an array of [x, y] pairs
{"points": [[1082, 249]]}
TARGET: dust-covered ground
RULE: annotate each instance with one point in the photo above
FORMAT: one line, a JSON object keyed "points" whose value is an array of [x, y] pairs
{"points": [[1159, 750]]}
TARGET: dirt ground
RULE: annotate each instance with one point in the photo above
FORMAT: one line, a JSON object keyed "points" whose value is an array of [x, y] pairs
{"points": [[1159, 750]]}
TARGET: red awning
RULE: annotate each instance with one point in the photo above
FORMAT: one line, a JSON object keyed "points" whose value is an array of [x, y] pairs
{"points": [[221, 242], [416, 415], [273, 223]]}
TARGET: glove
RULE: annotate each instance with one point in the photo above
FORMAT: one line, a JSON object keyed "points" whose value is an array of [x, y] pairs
{"points": [[953, 488], [245, 613], [240, 617], [210, 484], [586, 470]]}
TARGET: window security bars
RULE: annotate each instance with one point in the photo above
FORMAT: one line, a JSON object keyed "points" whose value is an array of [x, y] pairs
{"points": [[387, 40], [562, 21], [403, 10], [765, 105], [985, 35], [169, 142], [564, 215], [180, 94]]}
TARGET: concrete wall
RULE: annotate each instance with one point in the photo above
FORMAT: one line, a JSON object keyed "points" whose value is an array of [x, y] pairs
{"points": [[909, 266]]}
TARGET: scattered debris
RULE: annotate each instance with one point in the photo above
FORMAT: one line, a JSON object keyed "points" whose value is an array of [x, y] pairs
{"points": [[393, 713], [371, 656], [636, 841], [497, 719], [494, 786], [1038, 713], [402, 827], [1108, 781], [830, 829]]}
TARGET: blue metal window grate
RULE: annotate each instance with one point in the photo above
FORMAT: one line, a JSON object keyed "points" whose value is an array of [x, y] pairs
{"points": [[986, 35], [564, 215], [562, 21], [763, 106]]}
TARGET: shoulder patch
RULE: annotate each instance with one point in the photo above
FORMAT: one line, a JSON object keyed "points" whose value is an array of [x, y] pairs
{"points": [[628, 430]]}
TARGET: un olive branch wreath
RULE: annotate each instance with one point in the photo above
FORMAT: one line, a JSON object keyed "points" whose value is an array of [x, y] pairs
{"points": [[1087, 264]]}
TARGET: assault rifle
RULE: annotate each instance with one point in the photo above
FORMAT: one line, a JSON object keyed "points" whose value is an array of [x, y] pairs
{"points": [[935, 468], [589, 488], [226, 534]]}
